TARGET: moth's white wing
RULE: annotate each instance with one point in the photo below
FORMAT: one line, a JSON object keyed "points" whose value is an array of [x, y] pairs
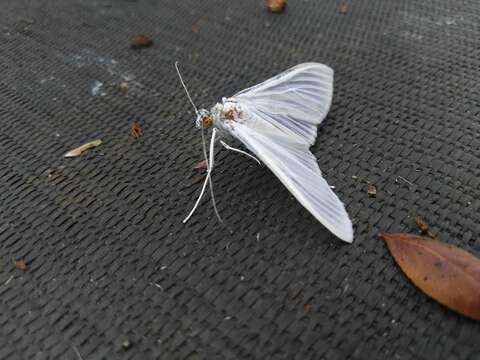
{"points": [[277, 120], [295, 101], [296, 167]]}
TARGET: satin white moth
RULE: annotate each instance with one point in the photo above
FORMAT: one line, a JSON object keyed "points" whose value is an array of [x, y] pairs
{"points": [[277, 121]]}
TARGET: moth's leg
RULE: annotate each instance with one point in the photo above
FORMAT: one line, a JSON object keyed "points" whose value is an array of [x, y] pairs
{"points": [[210, 182], [228, 147], [207, 179]]}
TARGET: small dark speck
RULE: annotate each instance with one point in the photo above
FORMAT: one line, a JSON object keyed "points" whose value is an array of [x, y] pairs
{"points": [[438, 264]]}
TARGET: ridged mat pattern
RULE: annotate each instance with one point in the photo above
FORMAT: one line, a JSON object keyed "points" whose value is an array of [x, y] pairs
{"points": [[108, 257]]}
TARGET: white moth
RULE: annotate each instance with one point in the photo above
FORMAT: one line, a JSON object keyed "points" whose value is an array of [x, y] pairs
{"points": [[277, 121]]}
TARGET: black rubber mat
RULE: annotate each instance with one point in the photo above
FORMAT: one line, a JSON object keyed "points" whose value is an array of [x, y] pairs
{"points": [[112, 271]]}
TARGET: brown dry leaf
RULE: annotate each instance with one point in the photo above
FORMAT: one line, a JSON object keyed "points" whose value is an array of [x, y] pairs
{"points": [[275, 6], [81, 149], [343, 8], [307, 307], [195, 25], [372, 190], [141, 41], [136, 130], [20, 264], [200, 165], [444, 272]]}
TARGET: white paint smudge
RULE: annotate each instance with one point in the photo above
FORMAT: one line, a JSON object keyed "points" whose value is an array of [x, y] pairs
{"points": [[447, 21], [90, 58], [8, 281], [115, 71], [412, 35], [43, 81], [97, 89]]}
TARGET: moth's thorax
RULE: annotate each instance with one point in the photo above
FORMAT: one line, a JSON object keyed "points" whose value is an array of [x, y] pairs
{"points": [[226, 113]]}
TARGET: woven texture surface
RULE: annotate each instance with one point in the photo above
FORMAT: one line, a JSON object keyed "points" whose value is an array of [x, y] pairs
{"points": [[108, 257]]}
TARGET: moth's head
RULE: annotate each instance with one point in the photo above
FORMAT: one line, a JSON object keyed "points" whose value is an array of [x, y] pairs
{"points": [[204, 119]]}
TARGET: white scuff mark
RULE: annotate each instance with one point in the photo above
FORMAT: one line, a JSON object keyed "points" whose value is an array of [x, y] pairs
{"points": [[8, 281], [77, 352], [346, 286], [127, 77], [158, 286], [415, 19], [163, 268], [404, 180], [113, 68], [97, 89], [90, 58], [43, 81], [447, 21], [411, 35], [417, 26]]}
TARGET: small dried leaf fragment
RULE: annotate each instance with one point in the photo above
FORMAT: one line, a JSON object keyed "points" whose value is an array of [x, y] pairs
{"points": [[20, 265], [123, 87], [423, 226], [126, 344], [136, 130], [200, 165], [307, 307], [444, 272], [343, 8], [141, 41], [372, 190], [275, 6], [195, 25], [81, 149]]}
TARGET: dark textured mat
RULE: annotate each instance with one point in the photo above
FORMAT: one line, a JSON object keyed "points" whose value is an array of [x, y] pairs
{"points": [[108, 256]]}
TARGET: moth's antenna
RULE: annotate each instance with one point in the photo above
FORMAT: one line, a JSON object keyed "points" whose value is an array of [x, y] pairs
{"points": [[185, 87]]}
